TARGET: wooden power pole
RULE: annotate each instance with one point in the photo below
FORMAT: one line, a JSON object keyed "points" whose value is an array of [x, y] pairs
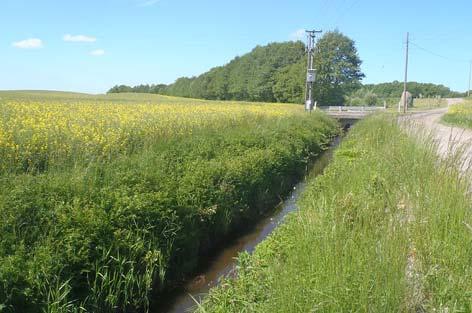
{"points": [[405, 100]]}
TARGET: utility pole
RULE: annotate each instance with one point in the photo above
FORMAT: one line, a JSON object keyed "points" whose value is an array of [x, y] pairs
{"points": [[470, 77], [310, 76], [405, 100]]}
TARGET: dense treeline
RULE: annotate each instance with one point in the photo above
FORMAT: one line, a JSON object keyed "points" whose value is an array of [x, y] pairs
{"points": [[289, 87], [276, 73], [390, 93], [273, 73], [157, 89], [418, 90], [250, 77]]}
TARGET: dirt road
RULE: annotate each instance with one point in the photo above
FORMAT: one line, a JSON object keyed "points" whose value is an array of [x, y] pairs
{"points": [[449, 139]]}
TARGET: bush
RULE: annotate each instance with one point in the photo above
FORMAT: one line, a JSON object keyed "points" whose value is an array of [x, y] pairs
{"points": [[363, 97]]}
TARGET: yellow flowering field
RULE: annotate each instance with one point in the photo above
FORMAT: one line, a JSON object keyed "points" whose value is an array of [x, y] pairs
{"points": [[108, 200], [460, 115], [44, 128]]}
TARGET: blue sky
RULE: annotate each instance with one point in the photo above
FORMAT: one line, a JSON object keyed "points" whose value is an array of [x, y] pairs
{"points": [[91, 45]]}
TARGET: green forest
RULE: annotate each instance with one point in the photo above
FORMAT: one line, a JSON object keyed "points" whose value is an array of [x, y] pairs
{"points": [[255, 76], [276, 73]]}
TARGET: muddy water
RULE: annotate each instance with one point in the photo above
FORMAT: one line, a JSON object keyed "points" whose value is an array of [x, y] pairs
{"points": [[224, 262]]}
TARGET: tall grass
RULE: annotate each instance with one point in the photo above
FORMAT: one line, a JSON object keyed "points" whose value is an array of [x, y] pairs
{"points": [[385, 229], [105, 234]]}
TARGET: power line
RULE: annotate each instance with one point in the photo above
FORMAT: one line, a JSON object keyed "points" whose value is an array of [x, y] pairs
{"points": [[452, 35], [437, 54], [448, 59]]}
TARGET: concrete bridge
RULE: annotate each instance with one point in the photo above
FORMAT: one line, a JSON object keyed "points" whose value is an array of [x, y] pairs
{"points": [[350, 112], [349, 115]]}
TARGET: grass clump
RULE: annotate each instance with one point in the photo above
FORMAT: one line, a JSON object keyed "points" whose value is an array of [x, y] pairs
{"points": [[384, 229]]}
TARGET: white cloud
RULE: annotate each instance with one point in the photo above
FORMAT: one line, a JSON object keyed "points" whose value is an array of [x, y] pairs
{"points": [[79, 38], [31, 43], [147, 3], [299, 34], [98, 52]]}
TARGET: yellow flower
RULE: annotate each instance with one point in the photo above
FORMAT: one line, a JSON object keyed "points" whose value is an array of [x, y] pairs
{"points": [[87, 127]]}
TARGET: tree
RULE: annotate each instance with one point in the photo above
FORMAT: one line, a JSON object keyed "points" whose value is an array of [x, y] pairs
{"points": [[337, 66], [249, 77], [418, 90], [158, 89], [120, 88], [275, 72], [289, 83], [362, 97]]}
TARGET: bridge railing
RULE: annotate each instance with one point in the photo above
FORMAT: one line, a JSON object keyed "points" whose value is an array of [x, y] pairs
{"points": [[340, 108]]}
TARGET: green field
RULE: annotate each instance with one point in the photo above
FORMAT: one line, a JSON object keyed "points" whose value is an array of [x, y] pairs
{"points": [[429, 103], [106, 200], [387, 228], [459, 115]]}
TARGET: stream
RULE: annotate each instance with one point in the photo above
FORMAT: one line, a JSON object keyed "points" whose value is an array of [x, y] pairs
{"points": [[224, 262]]}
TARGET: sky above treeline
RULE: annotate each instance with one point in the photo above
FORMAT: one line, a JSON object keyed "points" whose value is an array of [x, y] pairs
{"points": [[90, 45]]}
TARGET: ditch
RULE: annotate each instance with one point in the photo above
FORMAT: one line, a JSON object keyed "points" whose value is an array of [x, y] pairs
{"points": [[223, 263]]}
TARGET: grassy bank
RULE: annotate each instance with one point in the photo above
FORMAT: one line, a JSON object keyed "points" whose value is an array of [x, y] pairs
{"points": [[387, 228], [459, 115], [103, 203]]}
